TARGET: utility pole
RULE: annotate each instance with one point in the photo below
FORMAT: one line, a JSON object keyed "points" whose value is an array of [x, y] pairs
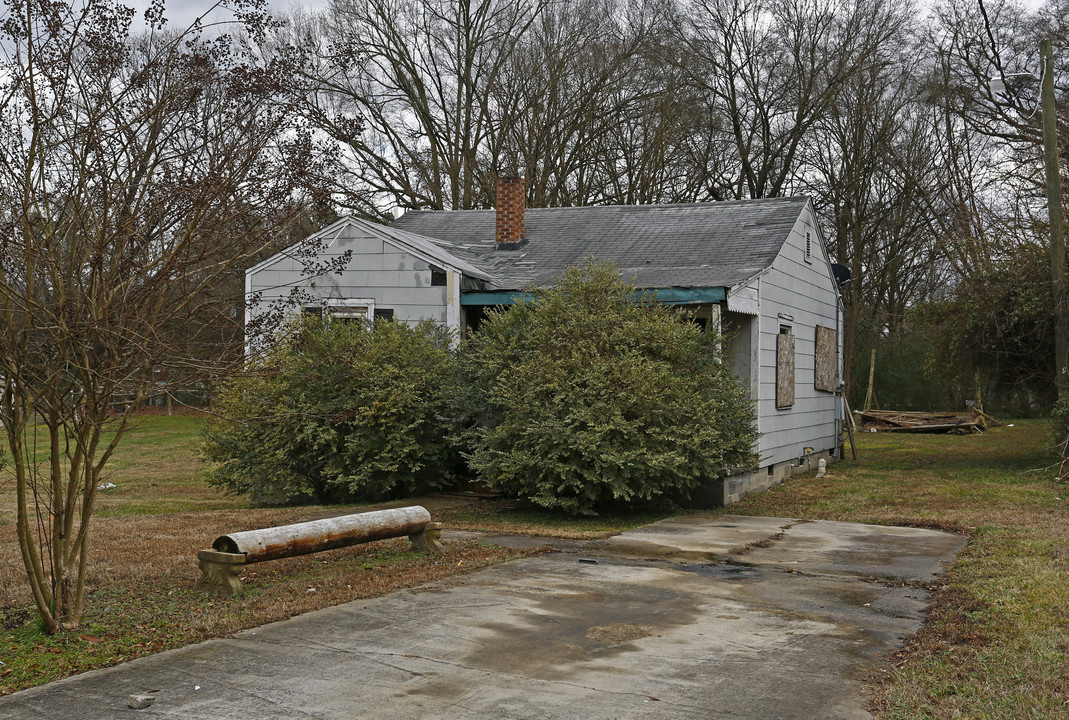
{"points": [[1057, 221]]}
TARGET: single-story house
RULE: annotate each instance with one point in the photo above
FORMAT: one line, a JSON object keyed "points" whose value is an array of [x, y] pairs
{"points": [[757, 269]]}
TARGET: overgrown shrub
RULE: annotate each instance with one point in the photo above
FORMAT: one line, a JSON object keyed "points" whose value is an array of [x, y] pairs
{"points": [[338, 412], [998, 324], [591, 399]]}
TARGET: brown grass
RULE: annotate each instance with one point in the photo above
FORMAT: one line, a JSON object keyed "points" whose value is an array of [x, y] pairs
{"points": [[160, 513], [143, 566], [129, 550], [160, 612], [996, 640], [511, 517]]}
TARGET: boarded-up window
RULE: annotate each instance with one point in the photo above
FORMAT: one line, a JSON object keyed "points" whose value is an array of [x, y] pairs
{"points": [[825, 360], [784, 369], [347, 313], [349, 310]]}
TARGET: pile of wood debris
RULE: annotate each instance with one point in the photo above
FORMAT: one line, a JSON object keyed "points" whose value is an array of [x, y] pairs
{"points": [[923, 422]]}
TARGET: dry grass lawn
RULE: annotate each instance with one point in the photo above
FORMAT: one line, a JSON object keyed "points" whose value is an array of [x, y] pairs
{"points": [[143, 564], [996, 641], [995, 645], [509, 517]]}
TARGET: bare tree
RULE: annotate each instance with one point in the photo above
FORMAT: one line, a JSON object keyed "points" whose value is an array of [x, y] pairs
{"points": [[576, 96], [589, 110], [870, 163], [137, 172], [420, 75], [993, 197], [771, 69], [992, 141]]}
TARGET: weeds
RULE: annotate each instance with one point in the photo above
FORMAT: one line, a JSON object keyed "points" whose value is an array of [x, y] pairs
{"points": [[996, 641]]}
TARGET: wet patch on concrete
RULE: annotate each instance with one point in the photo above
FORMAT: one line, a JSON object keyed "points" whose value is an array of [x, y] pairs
{"points": [[632, 547], [548, 635], [667, 623], [725, 570]]}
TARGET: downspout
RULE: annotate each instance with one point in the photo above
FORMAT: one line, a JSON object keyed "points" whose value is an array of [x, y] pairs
{"points": [[840, 276], [840, 410]]}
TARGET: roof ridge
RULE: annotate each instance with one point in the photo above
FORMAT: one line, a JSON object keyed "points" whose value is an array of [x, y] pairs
{"points": [[636, 206]]}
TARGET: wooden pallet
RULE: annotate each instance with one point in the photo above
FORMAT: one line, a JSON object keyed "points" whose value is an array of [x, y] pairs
{"points": [[923, 422]]}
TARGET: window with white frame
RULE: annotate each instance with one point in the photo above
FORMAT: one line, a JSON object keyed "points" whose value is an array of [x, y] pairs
{"points": [[344, 310]]}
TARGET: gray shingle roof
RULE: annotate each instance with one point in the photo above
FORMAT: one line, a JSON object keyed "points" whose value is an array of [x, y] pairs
{"points": [[717, 244], [426, 245]]}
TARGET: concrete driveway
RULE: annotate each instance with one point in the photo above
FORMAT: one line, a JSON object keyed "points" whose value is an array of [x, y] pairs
{"points": [[708, 616]]}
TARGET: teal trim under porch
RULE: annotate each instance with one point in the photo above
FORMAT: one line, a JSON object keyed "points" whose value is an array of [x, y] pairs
{"points": [[667, 296]]}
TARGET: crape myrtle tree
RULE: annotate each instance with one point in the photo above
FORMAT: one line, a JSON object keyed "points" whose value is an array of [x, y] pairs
{"points": [[137, 171]]}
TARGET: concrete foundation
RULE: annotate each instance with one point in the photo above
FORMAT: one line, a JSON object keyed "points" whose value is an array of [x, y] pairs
{"points": [[428, 540], [734, 488]]}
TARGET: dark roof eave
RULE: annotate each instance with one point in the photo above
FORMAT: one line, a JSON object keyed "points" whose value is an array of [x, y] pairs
{"points": [[666, 296]]}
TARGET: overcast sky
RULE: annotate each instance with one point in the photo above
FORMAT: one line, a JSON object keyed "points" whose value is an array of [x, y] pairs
{"points": [[180, 13]]}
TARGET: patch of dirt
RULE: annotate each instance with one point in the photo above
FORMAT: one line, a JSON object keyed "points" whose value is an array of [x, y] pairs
{"points": [[618, 633], [766, 542], [14, 618], [130, 551]]}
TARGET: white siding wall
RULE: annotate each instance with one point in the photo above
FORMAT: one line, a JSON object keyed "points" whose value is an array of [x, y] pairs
{"points": [[806, 292], [393, 277]]}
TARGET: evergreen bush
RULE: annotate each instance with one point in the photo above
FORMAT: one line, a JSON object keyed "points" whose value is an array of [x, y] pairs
{"points": [[590, 399], [338, 412]]}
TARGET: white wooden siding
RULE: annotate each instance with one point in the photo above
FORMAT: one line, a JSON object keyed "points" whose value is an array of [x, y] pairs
{"points": [[805, 292], [395, 278]]}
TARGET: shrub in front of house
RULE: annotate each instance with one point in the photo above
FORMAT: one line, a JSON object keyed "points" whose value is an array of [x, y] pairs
{"points": [[589, 399], [338, 412]]}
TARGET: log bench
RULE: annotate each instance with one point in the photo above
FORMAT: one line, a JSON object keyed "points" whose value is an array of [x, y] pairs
{"points": [[221, 565]]}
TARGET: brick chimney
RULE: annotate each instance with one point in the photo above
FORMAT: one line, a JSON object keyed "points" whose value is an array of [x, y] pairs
{"points": [[511, 205]]}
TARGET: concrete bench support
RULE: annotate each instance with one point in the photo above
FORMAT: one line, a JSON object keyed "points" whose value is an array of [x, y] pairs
{"points": [[221, 566], [220, 572], [429, 539]]}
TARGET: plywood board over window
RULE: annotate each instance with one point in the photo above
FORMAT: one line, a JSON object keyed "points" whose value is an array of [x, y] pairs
{"points": [[825, 361], [784, 370]]}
